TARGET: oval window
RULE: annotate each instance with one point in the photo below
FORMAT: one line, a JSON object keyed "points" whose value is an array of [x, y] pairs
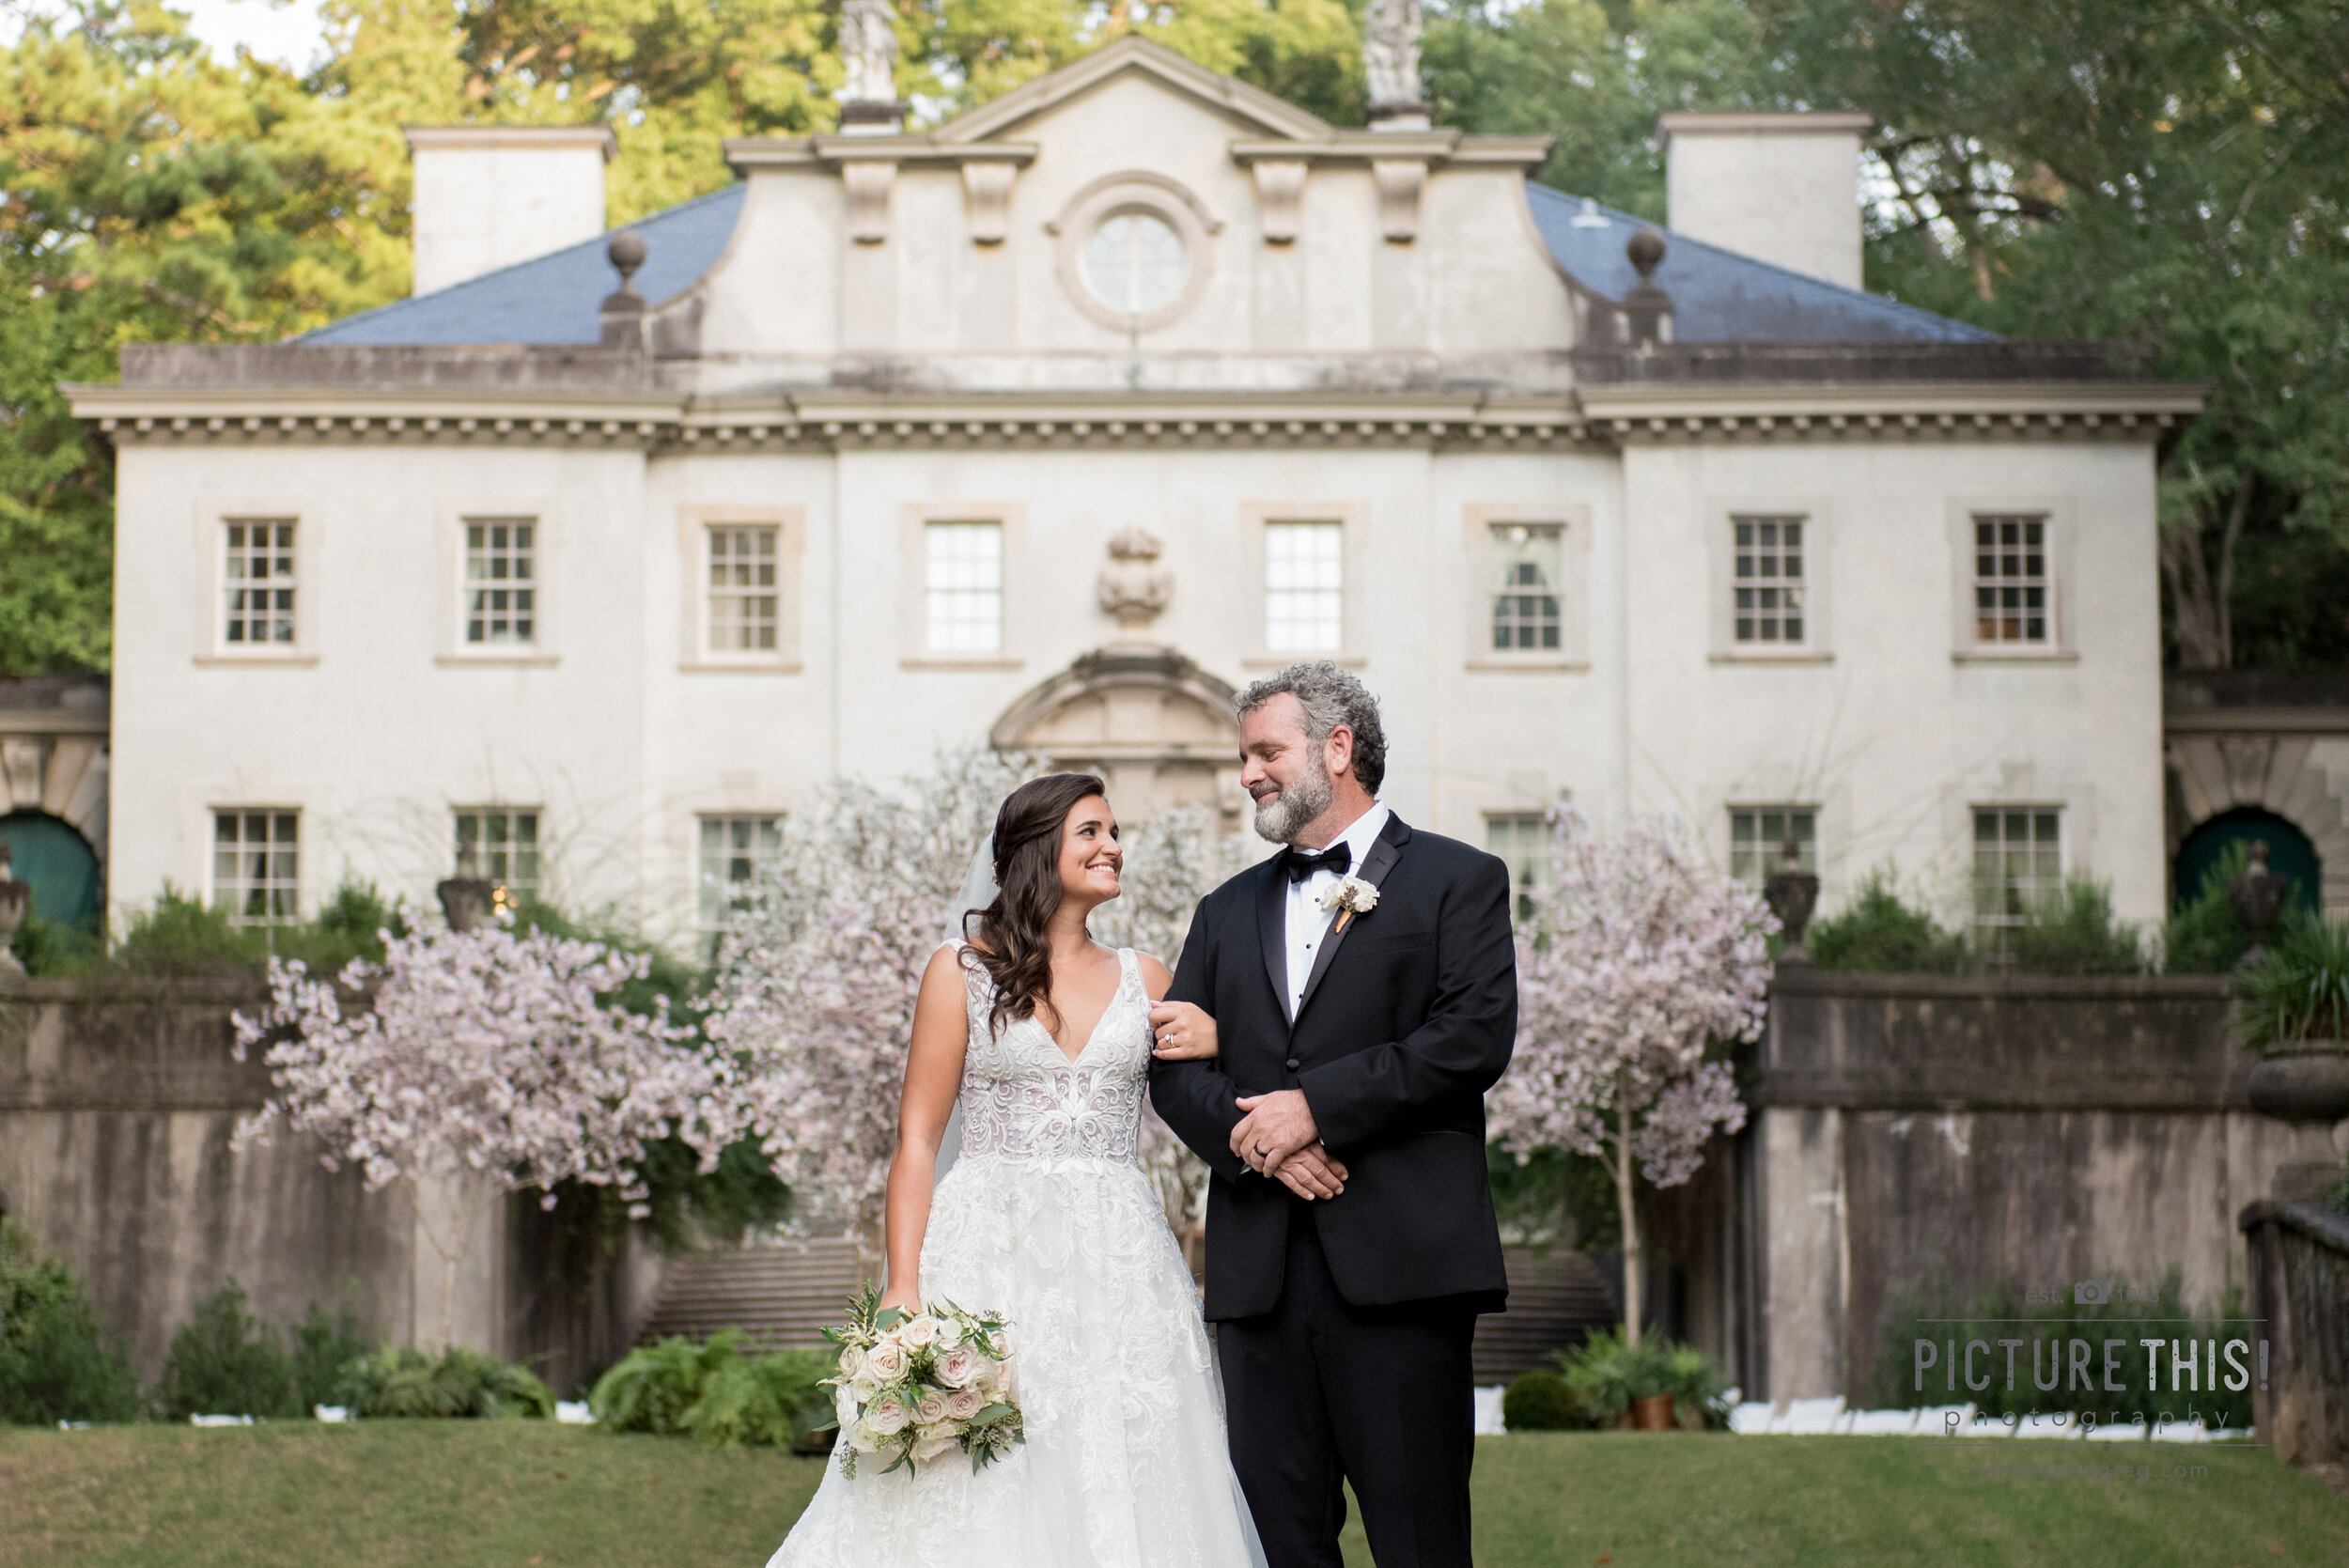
{"points": [[1134, 263]]}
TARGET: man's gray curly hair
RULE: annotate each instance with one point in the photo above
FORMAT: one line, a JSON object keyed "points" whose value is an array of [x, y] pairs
{"points": [[1330, 696]]}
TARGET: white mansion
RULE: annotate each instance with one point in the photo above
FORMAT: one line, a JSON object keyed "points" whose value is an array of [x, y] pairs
{"points": [[1052, 424]]}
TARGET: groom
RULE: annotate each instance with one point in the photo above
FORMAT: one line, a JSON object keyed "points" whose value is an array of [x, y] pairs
{"points": [[1350, 1233]]}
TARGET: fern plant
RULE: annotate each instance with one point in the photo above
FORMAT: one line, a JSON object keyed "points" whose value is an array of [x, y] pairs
{"points": [[2298, 989]]}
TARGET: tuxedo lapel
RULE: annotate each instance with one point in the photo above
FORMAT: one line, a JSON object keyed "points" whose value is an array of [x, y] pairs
{"points": [[1272, 929], [1382, 859]]}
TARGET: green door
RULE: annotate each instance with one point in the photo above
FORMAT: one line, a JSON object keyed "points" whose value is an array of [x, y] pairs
{"points": [[2290, 855], [61, 865]]}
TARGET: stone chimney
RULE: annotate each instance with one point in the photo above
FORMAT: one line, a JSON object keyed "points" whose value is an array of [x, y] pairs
{"points": [[489, 195], [1783, 188]]}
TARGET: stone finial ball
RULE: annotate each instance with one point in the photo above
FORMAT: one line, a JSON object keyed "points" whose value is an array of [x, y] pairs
{"points": [[627, 251], [1646, 248]]}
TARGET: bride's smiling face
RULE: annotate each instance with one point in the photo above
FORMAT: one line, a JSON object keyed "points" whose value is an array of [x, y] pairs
{"points": [[1091, 861]]}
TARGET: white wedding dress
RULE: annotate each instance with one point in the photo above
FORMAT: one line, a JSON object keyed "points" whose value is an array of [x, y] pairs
{"points": [[1046, 1219]]}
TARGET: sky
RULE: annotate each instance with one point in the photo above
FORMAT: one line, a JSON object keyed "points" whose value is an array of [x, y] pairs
{"points": [[286, 33]]}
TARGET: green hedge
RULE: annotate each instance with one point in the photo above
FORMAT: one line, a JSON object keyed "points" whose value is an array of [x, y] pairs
{"points": [[57, 1361], [716, 1394]]}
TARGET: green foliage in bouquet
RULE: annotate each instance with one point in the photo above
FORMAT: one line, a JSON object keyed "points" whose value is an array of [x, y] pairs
{"points": [[460, 1383], [715, 1393], [923, 1385], [57, 1361]]}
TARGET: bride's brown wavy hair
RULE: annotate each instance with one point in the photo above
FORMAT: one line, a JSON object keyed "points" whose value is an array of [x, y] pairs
{"points": [[1010, 944]]}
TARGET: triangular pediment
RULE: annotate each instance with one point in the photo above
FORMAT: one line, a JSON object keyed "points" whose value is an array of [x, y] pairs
{"points": [[1253, 109]]}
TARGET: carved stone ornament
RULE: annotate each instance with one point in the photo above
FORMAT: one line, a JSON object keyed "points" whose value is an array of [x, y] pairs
{"points": [[2258, 896], [868, 52], [1398, 181], [1279, 193], [465, 899], [1391, 51], [16, 900], [1133, 588], [1792, 893]]}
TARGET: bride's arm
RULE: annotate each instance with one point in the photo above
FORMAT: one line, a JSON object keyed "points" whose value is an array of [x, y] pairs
{"points": [[1179, 1030], [933, 1076]]}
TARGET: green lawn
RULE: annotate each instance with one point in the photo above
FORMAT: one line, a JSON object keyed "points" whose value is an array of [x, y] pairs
{"points": [[530, 1495]]}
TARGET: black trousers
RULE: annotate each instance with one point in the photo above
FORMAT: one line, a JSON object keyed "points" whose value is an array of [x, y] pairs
{"points": [[1318, 1392]]}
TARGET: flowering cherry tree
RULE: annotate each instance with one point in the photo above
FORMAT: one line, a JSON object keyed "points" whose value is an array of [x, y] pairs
{"points": [[489, 1063], [817, 975], [1638, 956]]}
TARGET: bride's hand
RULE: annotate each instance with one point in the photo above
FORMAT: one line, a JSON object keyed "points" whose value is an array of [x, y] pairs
{"points": [[1183, 1032], [906, 1298]]}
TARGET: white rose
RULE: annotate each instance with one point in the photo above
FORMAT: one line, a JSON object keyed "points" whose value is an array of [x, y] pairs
{"points": [[864, 1438], [931, 1442], [1002, 1377], [917, 1333], [957, 1367], [844, 1404], [886, 1362], [963, 1403], [851, 1358], [930, 1408], [888, 1415]]}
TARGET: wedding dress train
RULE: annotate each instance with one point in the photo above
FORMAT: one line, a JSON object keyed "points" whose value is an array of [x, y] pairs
{"points": [[1046, 1219]]}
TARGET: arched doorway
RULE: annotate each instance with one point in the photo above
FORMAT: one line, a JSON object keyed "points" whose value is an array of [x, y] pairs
{"points": [[1153, 726], [2290, 854], [60, 864]]}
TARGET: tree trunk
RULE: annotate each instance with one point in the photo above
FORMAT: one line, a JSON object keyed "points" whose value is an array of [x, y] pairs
{"points": [[1628, 1213], [2202, 610]]}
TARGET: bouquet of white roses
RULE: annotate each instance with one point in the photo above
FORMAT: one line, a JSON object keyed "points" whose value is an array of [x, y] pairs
{"points": [[920, 1386]]}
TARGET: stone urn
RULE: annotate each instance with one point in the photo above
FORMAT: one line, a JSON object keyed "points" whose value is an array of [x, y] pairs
{"points": [[2305, 1080], [15, 900], [465, 897], [1792, 893], [2258, 896]]}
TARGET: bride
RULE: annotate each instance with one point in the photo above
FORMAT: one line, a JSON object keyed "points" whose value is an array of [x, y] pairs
{"points": [[1044, 1037]]}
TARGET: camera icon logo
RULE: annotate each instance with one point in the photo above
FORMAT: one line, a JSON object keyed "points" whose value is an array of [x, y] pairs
{"points": [[2092, 1293]]}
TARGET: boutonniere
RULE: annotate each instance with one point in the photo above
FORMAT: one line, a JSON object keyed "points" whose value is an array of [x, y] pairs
{"points": [[1349, 896]]}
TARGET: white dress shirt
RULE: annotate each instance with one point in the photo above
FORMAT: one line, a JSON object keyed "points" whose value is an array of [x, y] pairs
{"points": [[1308, 922]]}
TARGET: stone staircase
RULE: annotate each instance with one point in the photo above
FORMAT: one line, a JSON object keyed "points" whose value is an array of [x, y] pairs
{"points": [[783, 1294], [1555, 1299]]}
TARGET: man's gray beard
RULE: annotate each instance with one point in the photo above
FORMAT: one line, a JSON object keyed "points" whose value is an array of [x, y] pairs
{"points": [[1281, 819]]}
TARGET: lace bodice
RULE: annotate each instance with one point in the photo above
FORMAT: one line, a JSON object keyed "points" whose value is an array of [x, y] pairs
{"points": [[1022, 1097]]}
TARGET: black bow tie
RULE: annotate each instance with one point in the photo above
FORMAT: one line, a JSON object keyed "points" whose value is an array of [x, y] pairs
{"points": [[1302, 864]]}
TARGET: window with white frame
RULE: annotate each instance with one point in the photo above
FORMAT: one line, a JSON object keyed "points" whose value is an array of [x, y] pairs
{"points": [[1758, 836], [963, 586], [2011, 579], [501, 581], [1767, 584], [2019, 862], [1304, 580], [257, 864], [1528, 569], [743, 593], [500, 845], [1521, 839], [735, 851], [257, 582]]}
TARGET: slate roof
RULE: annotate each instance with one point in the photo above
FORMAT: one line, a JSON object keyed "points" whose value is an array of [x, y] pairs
{"points": [[554, 298], [1717, 296], [1721, 296]]}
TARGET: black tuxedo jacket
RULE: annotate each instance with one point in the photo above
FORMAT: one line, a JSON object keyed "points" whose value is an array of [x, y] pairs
{"points": [[1409, 1016]]}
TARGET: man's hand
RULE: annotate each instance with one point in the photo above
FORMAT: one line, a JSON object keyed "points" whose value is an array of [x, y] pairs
{"points": [[1311, 1172], [1276, 1126], [1182, 1032]]}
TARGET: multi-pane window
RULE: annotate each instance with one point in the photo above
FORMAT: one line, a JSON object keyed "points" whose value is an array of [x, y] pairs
{"points": [[257, 864], [734, 852], [501, 580], [1521, 838], [1304, 587], [1769, 584], [257, 582], [1757, 841], [2011, 579], [2019, 862], [500, 845], [742, 591], [963, 586], [1527, 566]]}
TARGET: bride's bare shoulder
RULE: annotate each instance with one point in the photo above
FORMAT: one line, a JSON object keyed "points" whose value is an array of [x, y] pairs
{"points": [[1156, 977]]}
